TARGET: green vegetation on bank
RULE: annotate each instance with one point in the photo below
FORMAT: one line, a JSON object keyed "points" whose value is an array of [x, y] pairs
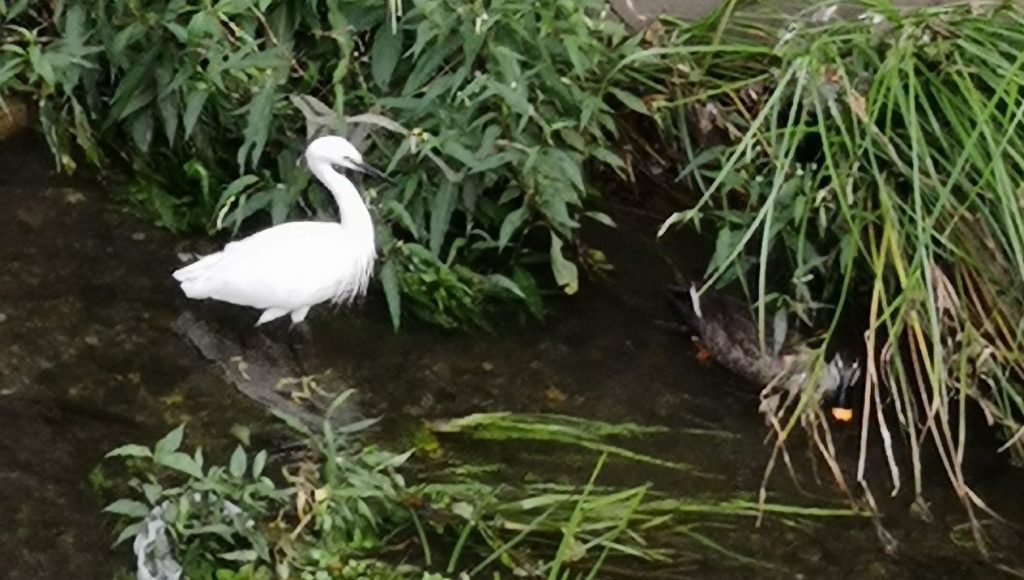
{"points": [[484, 112]]}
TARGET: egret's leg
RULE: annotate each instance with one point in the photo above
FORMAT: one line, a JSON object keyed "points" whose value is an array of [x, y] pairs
{"points": [[299, 323], [299, 314], [305, 334], [271, 314], [305, 339]]}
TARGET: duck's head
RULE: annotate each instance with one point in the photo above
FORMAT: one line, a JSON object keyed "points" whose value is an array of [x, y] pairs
{"points": [[837, 386]]}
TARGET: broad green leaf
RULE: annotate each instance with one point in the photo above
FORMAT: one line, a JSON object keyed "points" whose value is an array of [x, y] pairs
{"points": [[608, 157], [238, 462], [130, 450], [197, 457], [561, 163], [725, 244], [507, 284], [193, 107], [181, 462], [75, 33], [231, 7], [424, 34], [357, 426], [129, 532], [555, 208], [239, 556], [291, 421], [170, 442], [601, 217], [128, 507], [132, 92], [142, 129], [516, 98], [41, 65], [152, 492], [258, 463], [399, 212], [384, 55], [458, 151], [257, 125], [441, 209], [242, 433], [511, 224], [389, 279], [180, 32], [566, 273], [679, 217], [526, 282], [573, 138], [167, 105], [630, 100], [427, 65]]}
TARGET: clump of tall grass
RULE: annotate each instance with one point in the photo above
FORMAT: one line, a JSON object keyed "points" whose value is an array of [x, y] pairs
{"points": [[873, 169]]}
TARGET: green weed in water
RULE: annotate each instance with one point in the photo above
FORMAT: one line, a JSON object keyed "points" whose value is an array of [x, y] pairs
{"points": [[339, 507]]}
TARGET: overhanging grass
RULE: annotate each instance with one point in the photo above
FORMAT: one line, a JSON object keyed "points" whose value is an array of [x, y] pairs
{"points": [[873, 170]]}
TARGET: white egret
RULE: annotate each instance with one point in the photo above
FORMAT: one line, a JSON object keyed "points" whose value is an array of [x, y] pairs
{"points": [[293, 266]]}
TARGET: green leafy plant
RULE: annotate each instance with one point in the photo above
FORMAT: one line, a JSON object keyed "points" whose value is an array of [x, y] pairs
{"points": [[212, 516], [486, 113], [344, 508]]}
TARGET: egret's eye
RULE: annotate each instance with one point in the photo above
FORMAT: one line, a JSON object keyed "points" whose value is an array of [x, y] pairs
{"points": [[345, 163]]}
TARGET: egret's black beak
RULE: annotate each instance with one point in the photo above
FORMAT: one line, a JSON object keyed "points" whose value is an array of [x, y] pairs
{"points": [[371, 170]]}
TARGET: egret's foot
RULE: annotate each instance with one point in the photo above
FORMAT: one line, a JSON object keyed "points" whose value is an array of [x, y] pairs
{"points": [[303, 331], [300, 344]]}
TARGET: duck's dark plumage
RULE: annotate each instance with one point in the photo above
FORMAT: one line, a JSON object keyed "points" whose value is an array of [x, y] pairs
{"points": [[728, 333], [727, 330]]}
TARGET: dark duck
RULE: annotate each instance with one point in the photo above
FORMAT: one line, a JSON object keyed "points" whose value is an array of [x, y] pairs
{"points": [[727, 332]]}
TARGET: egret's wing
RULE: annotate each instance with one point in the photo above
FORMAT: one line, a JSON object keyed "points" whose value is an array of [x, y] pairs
{"points": [[284, 266]]}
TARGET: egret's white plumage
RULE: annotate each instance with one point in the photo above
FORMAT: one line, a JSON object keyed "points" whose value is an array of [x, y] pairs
{"points": [[291, 267]]}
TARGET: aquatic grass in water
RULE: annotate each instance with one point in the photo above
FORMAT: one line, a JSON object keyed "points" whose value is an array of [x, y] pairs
{"points": [[882, 154], [343, 508], [563, 429]]}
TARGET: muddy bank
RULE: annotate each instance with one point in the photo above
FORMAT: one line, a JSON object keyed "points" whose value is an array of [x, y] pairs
{"points": [[90, 359]]}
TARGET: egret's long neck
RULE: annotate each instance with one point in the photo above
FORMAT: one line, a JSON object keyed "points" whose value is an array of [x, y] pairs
{"points": [[355, 217]]}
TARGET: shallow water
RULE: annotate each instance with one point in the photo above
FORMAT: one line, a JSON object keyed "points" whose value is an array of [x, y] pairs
{"points": [[90, 359]]}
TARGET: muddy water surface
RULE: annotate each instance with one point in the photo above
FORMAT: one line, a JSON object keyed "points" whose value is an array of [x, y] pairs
{"points": [[90, 359]]}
